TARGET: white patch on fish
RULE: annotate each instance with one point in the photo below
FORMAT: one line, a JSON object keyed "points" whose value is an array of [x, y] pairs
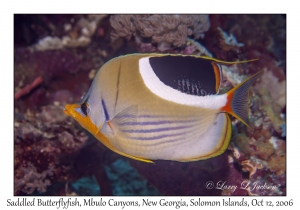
{"points": [[163, 91]]}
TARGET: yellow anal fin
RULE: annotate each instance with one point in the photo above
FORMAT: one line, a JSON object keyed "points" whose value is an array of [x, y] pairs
{"points": [[132, 157], [106, 142]]}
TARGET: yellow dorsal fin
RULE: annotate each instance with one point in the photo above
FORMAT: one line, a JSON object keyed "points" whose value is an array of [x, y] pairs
{"points": [[229, 62]]}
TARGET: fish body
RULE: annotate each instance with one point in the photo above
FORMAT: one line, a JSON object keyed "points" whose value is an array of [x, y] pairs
{"points": [[159, 106]]}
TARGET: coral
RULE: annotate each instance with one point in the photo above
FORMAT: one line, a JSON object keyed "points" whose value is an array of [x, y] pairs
{"points": [[194, 47], [276, 88], [277, 160], [228, 42], [270, 111], [30, 180], [250, 167], [164, 30], [232, 75], [86, 186], [79, 36], [28, 88], [262, 150], [42, 140], [263, 174], [127, 181]]}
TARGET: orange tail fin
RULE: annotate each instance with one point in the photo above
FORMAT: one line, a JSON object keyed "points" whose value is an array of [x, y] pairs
{"points": [[237, 99]]}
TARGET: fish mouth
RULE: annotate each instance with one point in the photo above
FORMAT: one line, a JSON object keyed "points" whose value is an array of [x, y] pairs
{"points": [[66, 112], [69, 109]]}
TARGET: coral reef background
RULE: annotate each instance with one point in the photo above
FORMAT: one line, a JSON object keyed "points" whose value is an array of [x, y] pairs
{"points": [[55, 60]]}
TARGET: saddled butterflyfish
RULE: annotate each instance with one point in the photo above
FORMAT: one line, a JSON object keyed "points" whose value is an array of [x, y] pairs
{"points": [[161, 106]]}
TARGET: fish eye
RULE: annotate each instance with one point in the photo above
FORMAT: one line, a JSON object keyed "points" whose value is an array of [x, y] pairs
{"points": [[85, 108]]}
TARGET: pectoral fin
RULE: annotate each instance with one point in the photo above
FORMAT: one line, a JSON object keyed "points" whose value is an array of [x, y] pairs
{"points": [[119, 123], [124, 119]]}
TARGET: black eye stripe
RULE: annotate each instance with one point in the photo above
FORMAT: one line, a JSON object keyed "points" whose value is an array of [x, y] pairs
{"points": [[85, 108]]}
